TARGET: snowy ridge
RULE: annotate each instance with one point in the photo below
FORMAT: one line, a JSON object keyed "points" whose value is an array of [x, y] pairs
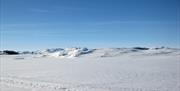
{"points": [[112, 52], [101, 52], [67, 52]]}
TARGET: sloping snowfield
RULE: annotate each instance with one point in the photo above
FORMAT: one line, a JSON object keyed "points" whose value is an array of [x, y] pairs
{"points": [[101, 70]]}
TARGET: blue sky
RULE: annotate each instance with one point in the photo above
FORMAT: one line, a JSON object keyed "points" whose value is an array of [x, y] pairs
{"points": [[38, 24]]}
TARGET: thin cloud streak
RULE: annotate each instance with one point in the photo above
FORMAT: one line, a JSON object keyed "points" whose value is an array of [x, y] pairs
{"points": [[39, 10], [87, 22]]}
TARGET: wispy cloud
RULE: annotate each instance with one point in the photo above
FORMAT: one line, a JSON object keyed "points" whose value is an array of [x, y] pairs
{"points": [[68, 8], [39, 10], [55, 9]]}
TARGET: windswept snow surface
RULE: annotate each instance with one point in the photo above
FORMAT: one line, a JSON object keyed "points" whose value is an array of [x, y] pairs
{"points": [[82, 69]]}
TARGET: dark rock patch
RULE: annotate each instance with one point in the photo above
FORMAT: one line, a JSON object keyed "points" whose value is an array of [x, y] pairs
{"points": [[9, 52], [141, 48]]}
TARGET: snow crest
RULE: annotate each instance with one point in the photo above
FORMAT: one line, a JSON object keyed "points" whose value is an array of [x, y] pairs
{"points": [[101, 52], [67, 52]]}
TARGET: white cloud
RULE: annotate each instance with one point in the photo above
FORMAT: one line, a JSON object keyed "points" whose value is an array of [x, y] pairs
{"points": [[39, 10]]}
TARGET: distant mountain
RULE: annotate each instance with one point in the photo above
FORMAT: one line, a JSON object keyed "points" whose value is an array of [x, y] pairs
{"points": [[9, 52], [101, 52]]}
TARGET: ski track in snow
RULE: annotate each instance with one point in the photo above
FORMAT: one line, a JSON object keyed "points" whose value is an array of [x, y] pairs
{"points": [[49, 86], [20, 83]]}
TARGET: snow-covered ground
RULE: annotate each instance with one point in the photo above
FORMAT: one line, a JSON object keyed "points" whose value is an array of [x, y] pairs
{"points": [[81, 69]]}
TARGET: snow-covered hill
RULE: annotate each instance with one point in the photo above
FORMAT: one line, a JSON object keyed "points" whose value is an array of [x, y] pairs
{"points": [[67, 52], [101, 52]]}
